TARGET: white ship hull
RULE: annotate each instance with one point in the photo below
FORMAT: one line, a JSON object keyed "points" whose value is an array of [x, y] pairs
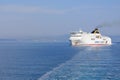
{"points": [[83, 38]]}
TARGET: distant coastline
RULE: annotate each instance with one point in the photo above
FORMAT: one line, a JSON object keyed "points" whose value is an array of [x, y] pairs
{"points": [[61, 38]]}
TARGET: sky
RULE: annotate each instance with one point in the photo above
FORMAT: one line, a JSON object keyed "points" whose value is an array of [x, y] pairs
{"points": [[38, 18]]}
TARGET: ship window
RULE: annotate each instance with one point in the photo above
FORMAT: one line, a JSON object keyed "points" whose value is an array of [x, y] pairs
{"points": [[92, 38], [79, 36], [96, 41], [104, 39], [76, 35], [97, 36]]}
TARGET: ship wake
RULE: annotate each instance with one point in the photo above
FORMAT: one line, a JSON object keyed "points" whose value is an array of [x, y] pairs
{"points": [[89, 64]]}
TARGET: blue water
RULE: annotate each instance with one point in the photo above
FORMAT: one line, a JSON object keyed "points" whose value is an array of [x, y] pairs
{"points": [[58, 61]]}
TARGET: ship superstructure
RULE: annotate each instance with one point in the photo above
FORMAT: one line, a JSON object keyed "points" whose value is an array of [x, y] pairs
{"points": [[93, 38]]}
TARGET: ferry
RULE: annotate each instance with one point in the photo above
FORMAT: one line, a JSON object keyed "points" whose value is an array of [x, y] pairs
{"points": [[84, 38]]}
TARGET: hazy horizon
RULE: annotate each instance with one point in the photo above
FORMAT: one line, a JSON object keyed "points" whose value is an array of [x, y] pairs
{"points": [[34, 19]]}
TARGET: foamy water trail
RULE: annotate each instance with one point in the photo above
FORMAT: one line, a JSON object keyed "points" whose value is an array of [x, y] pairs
{"points": [[89, 64]]}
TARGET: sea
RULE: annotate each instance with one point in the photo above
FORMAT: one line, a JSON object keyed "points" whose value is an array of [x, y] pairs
{"points": [[22, 60]]}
